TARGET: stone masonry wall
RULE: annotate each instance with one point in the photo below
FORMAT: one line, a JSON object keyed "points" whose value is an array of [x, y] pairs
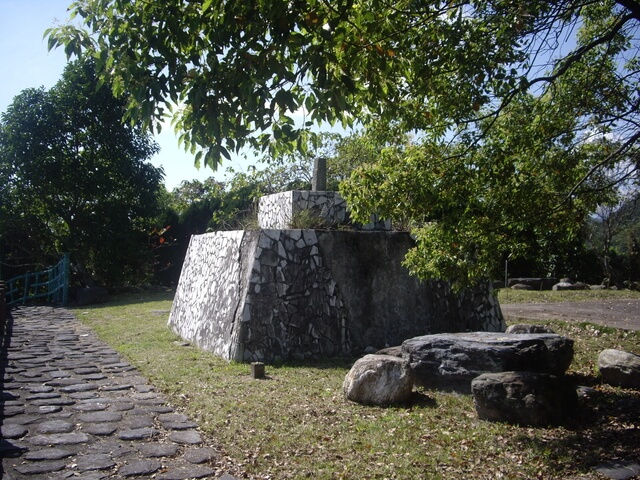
{"points": [[273, 295], [279, 209]]}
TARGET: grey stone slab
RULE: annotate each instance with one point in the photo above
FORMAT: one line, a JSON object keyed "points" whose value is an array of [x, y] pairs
{"points": [[102, 429], [94, 377], [188, 437], [59, 374], [86, 370], [159, 409], [94, 475], [112, 447], [144, 388], [152, 402], [59, 439], [49, 409], [45, 395], [137, 433], [116, 387], [172, 417], [105, 400], [90, 407], [53, 402], [62, 382], [184, 473], [99, 417], [139, 468], [149, 396], [48, 454], [13, 431], [226, 476], [35, 468], [179, 425], [200, 455], [41, 389], [153, 449], [122, 406], [54, 426], [22, 419], [80, 387], [115, 365], [10, 411], [140, 421], [96, 461], [83, 395]]}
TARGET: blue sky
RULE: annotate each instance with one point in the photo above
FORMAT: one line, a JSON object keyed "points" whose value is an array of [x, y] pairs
{"points": [[25, 62]]}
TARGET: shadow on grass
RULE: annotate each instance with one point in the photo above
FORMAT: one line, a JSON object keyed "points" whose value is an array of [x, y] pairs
{"points": [[605, 429], [123, 299]]}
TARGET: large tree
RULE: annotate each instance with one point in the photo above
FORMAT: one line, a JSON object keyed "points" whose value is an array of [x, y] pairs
{"points": [[75, 177], [452, 71]]}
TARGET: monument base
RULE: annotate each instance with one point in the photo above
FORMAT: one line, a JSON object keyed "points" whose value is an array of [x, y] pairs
{"points": [[270, 295]]}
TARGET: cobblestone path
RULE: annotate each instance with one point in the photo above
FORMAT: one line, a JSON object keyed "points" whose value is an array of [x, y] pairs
{"points": [[72, 408]]}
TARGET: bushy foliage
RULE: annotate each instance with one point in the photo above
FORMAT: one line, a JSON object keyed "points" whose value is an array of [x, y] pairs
{"points": [[75, 179]]}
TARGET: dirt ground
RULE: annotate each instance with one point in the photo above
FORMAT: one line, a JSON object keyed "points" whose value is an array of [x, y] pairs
{"points": [[614, 313]]}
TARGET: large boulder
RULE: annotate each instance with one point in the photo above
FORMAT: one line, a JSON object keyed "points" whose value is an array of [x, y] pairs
{"points": [[449, 361], [620, 368], [524, 398], [379, 380]]}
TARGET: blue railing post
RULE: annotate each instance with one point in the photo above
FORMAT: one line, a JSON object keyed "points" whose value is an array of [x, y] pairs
{"points": [[65, 279]]}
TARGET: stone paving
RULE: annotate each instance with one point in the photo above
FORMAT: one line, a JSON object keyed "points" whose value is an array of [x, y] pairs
{"points": [[72, 408]]}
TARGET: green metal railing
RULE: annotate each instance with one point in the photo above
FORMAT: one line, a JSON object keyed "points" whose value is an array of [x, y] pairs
{"points": [[51, 284]]}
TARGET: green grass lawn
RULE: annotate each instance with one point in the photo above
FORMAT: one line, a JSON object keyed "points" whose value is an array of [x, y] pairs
{"points": [[297, 424], [506, 295]]}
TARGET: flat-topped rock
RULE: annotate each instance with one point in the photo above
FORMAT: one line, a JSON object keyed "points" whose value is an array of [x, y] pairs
{"points": [[450, 361]]}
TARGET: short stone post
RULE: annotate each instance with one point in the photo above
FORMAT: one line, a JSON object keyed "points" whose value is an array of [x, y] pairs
{"points": [[257, 370], [319, 182]]}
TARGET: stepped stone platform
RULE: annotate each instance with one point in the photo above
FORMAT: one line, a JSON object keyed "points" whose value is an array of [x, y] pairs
{"points": [[73, 408]]}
